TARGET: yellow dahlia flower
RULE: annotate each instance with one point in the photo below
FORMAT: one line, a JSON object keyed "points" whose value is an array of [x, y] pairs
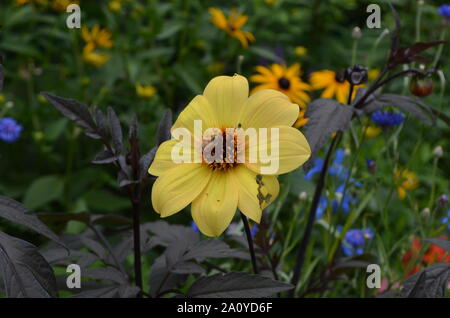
{"points": [[217, 187], [232, 26]]}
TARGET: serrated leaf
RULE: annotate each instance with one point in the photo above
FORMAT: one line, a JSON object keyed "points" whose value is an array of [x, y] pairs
{"points": [[105, 273], [411, 105], [326, 116], [42, 191], [236, 285], [75, 111], [163, 132], [17, 213], [105, 157], [430, 282], [145, 162], [116, 131], [211, 248], [25, 272]]}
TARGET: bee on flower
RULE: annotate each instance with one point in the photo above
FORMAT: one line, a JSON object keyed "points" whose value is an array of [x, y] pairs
{"points": [[216, 186], [232, 25]]}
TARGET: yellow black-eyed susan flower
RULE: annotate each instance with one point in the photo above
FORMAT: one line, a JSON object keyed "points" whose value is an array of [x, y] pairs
{"points": [[232, 25], [333, 85], [284, 79]]}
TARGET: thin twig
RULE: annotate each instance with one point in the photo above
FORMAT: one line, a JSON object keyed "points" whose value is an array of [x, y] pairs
{"points": [[250, 242], [312, 216]]}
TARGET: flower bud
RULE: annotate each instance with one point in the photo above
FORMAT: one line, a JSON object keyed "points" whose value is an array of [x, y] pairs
{"points": [[442, 201], [303, 195], [438, 152], [356, 74], [371, 166], [426, 212], [421, 86], [356, 33]]}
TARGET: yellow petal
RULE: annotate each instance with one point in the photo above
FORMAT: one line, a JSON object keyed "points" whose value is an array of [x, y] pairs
{"points": [[218, 18], [268, 108], [342, 92], [163, 158], [178, 187], [198, 109], [256, 192], [401, 193], [293, 150], [214, 208], [227, 95]]}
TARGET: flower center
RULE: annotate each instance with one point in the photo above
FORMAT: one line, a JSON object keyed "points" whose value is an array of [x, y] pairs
{"points": [[340, 77], [284, 83], [231, 27], [220, 149]]}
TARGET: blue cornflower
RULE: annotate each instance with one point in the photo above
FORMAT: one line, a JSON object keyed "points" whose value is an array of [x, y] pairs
{"points": [[355, 240], [194, 227], [446, 220], [9, 129], [321, 207], [345, 200], [316, 168], [444, 10], [385, 118], [254, 230], [336, 169]]}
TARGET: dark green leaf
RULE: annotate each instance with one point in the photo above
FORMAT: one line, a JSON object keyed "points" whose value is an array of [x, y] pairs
{"points": [[17, 213], [164, 126], [326, 116], [431, 282], [116, 131], [75, 111], [42, 191], [24, 270], [236, 285]]}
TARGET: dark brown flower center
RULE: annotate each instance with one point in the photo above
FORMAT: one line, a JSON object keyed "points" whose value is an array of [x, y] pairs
{"points": [[284, 83], [220, 152], [340, 77]]}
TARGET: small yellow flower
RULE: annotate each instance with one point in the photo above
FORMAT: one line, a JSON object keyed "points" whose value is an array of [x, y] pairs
{"points": [[94, 58], [61, 5], [115, 5], [217, 188], [215, 68], [2, 98], [373, 74], [406, 180], [270, 2], [300, 51], [145, 91], [284, 79], [97, 36], [334, 84], [372, 132], [39, 2], [232, 26]]}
